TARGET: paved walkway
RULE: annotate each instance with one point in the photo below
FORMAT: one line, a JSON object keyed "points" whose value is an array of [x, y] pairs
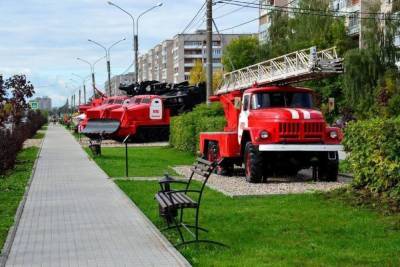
{"points": [[76, 216]]}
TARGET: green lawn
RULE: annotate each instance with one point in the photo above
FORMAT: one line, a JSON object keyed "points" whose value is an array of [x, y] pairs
{"points": [[143, 161], [287, 230], [12, 188]]}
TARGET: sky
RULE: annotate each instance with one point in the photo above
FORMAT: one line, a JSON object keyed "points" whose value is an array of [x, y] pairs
{"points": [[43, 38]]}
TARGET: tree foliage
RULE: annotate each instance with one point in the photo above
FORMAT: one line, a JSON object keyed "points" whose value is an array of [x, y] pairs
{"points": [[363, 89], [13, 96], [371, 77], [197, 73], [241, 52]]}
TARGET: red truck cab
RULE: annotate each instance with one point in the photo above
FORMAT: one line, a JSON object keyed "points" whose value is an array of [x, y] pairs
{"points": [[273, 130]]}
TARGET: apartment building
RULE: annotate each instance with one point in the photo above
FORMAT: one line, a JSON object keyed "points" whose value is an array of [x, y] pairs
{"points": [[117, 80], [172, 60], [167, 73], [266, 7]]}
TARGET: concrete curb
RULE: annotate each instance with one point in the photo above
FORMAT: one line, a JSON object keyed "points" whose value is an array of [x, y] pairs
{"points": [[5, 252]]}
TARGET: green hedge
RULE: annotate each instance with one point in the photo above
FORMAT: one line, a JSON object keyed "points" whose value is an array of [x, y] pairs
{"points": [[375, 155], [185, 129]]}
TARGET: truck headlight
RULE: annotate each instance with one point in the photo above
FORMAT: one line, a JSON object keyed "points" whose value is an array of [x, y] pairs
{"points": [[264, 134], [333, 134]]}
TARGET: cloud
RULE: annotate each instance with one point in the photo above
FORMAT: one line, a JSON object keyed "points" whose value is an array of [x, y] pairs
{"points": [[43, 38]]}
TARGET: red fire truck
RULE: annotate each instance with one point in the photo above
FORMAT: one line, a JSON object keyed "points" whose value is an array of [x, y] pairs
{"points": [[144, 118], [274, 129]]}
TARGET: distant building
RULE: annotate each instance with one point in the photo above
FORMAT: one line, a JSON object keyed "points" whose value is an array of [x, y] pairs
{"points": [[171, 60], [266, 8], [42, 103], [116, 80]]}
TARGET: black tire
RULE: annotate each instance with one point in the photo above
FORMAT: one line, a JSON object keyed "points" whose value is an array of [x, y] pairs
{"points": [[225, 169], [329, 169], [253, 164]]}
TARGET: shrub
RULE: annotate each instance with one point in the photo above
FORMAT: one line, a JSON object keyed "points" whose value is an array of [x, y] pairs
{"points": [[11, 141], [185, 129], [375, 159]]}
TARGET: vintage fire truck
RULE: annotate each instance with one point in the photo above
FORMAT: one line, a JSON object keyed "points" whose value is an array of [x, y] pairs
{"points": [[96, 115], [144, 119], [145, 114], [272, 128]]}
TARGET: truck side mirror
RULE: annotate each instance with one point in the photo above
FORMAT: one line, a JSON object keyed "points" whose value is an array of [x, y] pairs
{"points": [[238, 102]]}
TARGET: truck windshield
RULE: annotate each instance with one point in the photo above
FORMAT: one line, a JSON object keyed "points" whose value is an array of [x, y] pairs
{"points": [[281, 99]]}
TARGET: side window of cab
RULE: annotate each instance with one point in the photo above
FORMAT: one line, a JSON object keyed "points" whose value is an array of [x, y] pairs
{"points": [[246, 102]]}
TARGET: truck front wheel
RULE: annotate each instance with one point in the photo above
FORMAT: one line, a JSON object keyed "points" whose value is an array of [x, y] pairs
{"points": [[252, 163]]}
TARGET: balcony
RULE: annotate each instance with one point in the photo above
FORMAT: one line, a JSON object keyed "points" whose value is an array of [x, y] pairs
{"points": [[397, 40], [353, 29]]}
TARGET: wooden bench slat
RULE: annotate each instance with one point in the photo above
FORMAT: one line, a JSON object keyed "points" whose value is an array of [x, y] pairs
{"points": [[199, 172], [161, 201]]}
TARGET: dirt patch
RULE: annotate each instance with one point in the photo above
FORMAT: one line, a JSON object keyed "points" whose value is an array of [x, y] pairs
{"points": [[32, 143]]}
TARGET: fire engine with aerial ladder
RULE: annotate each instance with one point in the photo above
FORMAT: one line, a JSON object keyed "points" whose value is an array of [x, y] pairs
{"points": [[272, 127]]}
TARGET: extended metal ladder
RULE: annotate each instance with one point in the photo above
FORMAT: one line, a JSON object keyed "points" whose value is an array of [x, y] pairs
{"points": [[303, 65]]}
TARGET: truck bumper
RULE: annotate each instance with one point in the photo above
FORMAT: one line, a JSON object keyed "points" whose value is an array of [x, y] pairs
{"points": [[298, 147]]}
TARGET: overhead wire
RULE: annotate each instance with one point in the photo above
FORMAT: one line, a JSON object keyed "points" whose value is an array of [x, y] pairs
{"points": [[234, 11], [195, 17], [312, 12]]}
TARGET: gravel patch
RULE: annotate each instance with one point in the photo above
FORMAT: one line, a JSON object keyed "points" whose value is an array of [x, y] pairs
{"points": [[84, 141], [237, 185]]}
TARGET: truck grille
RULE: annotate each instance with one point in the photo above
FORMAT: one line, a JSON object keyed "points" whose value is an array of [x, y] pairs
{"points": [[314, 129], [301, 130], [289, 129]]}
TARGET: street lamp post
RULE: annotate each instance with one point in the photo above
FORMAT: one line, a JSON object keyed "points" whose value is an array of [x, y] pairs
{"points": [[79, 91], [83, 79], [135, 35], [136, 38], [92, 71], [108, 58]]}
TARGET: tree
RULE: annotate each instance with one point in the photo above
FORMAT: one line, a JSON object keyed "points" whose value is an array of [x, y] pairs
{"points": [[218, 77], [197, 73], [241, 52], [20, 89], [2, 89], [371, 77]]}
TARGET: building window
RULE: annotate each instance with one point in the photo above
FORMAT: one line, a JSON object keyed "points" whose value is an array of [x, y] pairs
{"points": [[193, 43]]}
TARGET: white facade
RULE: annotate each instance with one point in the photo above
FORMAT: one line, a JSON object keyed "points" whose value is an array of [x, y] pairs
{"points": [[172, 60]]}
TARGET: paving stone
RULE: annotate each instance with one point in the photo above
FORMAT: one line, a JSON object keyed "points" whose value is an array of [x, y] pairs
{"points": [[75, 216]]}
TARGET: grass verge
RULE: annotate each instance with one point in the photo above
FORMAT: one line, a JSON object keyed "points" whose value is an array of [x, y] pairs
{"points": [[39, 135], [287, 230], [12, 189], [143, 161]]}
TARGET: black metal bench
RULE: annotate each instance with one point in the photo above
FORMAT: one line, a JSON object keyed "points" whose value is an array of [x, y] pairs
{"points": [[171, 202]]}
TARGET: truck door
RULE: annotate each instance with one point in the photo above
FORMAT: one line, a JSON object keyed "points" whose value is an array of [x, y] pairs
{"points": [[156, 109], [244, 116]]}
